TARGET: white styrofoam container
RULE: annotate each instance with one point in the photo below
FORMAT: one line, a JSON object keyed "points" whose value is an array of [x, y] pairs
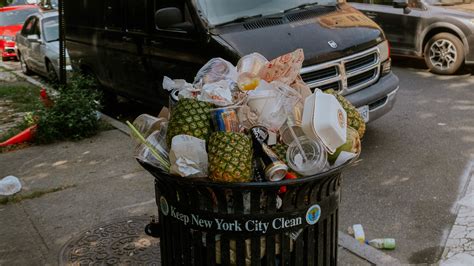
{"points": [[324, 119]]}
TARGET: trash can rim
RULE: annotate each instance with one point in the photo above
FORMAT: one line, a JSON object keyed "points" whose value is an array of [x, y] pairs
{"points": [[156, 172]]}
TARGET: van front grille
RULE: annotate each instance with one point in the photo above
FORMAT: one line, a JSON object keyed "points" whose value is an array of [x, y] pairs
{"points": [[348, 74], [361, 62], [361, 78], [322, 74]]}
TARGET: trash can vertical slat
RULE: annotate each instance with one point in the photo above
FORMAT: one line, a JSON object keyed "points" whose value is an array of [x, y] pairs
{"points": [[211, 249], [310, 250], [298, 254], [270, 250], [225, 250], [319, 243], [285, 249], [240, 249]]}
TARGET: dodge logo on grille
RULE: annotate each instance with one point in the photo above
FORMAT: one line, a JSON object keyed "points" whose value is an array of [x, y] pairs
{"points": [[333, 44]]}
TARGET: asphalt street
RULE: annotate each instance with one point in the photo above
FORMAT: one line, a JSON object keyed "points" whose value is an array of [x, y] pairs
{"points": [[410, 173], [412, 168]]}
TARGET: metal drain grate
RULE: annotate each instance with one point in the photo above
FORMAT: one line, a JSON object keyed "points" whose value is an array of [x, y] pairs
{"points": [[122, 241]]}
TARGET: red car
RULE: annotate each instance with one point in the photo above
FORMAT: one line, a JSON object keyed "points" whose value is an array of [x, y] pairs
{"points": [[11, 22]]}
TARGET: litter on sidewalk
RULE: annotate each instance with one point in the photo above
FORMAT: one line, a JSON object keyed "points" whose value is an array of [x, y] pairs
{"points": [[9, 185]]}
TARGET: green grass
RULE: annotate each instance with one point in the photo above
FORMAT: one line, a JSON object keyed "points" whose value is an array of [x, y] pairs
{"points": [[24, 98]]}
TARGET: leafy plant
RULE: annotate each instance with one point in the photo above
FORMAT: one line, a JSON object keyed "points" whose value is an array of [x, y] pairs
{"points": [[73, 114]]}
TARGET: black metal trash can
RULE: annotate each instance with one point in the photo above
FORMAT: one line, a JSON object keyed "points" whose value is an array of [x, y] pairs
{"points": [[206, 223]]}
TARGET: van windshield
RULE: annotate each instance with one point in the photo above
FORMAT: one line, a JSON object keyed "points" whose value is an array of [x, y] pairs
{"points": [[221, 11]]}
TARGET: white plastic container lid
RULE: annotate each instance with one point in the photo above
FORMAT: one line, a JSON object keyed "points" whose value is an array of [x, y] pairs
{"points": [[324, 119]]}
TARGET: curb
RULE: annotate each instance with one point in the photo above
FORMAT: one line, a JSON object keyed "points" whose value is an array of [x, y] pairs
{"points": [[365, 252]]}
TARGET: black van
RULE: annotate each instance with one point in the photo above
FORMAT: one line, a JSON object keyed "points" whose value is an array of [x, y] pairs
{"points": [[129, 45]]}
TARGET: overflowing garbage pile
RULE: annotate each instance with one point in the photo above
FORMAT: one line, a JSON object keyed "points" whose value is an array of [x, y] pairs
{"points": [[254, 122]]}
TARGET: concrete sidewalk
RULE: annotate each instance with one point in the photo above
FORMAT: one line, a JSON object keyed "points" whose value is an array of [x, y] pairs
{"points": [[102, 182]]}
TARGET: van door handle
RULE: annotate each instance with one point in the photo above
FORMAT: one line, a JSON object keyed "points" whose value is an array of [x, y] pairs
{"points": [[127, 39], [371, 15], [155, 42]]}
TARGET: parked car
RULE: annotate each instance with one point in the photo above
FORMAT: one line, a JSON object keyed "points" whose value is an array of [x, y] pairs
{"points": [[11, 21], [117, 42], [38, 45], [443, 36]]}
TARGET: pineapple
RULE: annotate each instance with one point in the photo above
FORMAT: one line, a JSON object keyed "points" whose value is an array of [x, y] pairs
{"points": [[190, 117], [354, 119], [230, 157], [352, 145]]}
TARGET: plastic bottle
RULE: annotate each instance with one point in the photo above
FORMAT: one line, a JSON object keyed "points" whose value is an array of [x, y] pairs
{"points": [[359, 233], [382, 243]]}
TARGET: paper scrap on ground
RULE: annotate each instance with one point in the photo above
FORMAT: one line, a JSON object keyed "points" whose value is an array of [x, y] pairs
{"points": [[9, 185]]}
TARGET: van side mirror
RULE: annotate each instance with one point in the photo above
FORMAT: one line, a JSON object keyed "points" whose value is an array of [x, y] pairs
{"points": [[171, 18], [402, 4], [33, 38]]}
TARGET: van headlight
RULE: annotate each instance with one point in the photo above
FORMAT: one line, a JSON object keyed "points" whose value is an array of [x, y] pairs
{"points": [[384, 53]]}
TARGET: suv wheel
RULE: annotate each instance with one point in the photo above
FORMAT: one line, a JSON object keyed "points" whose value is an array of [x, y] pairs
{"points": [[444, 54], [24, 67]]}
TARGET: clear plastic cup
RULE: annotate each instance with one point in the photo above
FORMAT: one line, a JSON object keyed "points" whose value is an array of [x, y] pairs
{"points": [[316, 157]]}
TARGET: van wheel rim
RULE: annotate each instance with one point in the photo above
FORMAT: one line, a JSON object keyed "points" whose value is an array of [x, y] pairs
{"points": [[443, 54]]}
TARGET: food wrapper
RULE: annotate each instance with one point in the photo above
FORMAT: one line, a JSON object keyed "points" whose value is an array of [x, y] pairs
{"points": [[188, 156], [301, 87], [285, 68], [185, 89], [219, 93], [215, 70]]}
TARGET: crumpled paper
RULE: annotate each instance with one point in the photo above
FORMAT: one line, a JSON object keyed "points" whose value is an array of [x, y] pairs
{"points": [[188, 156], [218, 93], [285, 68]]}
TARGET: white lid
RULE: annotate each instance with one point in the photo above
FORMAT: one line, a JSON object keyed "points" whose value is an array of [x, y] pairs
{"points": [[328, 120]]}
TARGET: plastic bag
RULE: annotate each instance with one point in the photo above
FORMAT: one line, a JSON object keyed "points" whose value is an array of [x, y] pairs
{"points": [[219, 93], [273, 103], [183, 88], [188, 156], [215, 70], [9, 185]]}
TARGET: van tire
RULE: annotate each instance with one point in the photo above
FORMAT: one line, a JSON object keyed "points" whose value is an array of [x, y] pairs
{"points": [[444, 54]]}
